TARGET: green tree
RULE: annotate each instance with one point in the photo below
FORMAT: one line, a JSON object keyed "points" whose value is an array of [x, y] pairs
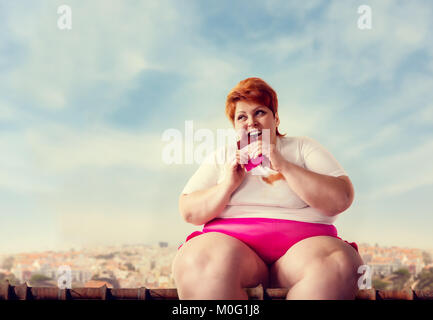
{"points": [[113, 281], [399, 278], [129, 266], [39, 278], [106, 256], [8, 263], [379, 284], [425, 280], [11, 278]]}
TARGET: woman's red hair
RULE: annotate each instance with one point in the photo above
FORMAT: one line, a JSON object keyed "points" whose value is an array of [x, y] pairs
{"points": [[252, 90]]}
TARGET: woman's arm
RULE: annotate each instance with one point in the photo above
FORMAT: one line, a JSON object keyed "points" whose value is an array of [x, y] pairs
{"points": [[202, 206], [330, 195]]}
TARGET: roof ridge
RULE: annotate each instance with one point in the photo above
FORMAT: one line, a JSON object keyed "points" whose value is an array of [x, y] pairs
{"points": [[24, 292]]}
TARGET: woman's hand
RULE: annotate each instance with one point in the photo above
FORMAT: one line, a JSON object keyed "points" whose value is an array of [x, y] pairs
{"points": [[235, 171], [270, 151]]}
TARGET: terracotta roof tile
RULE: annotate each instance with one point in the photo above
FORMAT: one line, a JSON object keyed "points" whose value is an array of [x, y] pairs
{"points": [[24, 292]]}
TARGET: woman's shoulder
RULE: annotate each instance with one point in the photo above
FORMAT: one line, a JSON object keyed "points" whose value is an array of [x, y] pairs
{"points": [[297, 140], [294, 141], [300, 145]]}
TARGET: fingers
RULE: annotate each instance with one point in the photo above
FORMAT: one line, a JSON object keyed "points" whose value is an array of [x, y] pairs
{"points": [[256, 150], [242, 157], [238, 160], [261, 148], [253, 150]]}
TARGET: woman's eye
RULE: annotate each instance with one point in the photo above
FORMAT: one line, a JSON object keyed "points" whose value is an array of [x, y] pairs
{"points": [[240, 117], [260, 111]]}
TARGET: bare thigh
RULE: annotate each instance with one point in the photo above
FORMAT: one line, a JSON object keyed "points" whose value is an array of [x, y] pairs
{"points": [[219, 252], [289, 268]]}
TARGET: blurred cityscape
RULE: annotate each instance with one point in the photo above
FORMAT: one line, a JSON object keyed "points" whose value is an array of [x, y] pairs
{"points": [[133, 266], [125, 266], [395, 268]]}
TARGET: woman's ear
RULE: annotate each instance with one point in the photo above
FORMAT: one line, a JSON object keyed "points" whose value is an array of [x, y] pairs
{"points": [[277, 119]]}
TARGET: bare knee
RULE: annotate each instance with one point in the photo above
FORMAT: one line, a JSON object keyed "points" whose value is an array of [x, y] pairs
{"points": [[336, 266], [333, 276], [345, 266], [203, 266], [208, 275]]}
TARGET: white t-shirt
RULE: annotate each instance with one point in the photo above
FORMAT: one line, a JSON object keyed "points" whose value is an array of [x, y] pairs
{"points": [[257, 196]]}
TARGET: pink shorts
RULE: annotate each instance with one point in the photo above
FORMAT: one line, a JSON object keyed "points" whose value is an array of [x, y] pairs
{"points": [[269, 238]]}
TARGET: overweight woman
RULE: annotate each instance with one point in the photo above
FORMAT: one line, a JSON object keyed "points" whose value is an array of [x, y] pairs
{"points": [[272, 225]]}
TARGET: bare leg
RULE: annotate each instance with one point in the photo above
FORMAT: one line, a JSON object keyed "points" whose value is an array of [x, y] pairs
{"points": [[328, 279], [319, 267], [215, 266]]}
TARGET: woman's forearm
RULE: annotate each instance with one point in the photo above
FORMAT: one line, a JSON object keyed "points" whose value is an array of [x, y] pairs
{"points": [[325, 193], [202, 206]]}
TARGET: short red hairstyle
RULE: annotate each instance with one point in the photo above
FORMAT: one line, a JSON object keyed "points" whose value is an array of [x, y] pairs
{"points": [[252, 90]]}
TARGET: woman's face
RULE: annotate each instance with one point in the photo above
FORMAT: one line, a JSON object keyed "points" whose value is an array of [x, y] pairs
{"points": [[251, 117]]}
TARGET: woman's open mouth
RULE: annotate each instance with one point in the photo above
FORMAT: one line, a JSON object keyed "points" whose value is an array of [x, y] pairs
{"points": [[254, 135], [251, 136]]}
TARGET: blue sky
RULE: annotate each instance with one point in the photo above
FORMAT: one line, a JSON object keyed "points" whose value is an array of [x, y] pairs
{"points": [[82, 111]]}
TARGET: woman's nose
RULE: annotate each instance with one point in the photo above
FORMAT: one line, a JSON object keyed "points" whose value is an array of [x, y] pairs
{"points": [[251, 122]]}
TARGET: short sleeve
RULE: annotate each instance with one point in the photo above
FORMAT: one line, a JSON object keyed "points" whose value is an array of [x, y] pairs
{"points": [[206, 176], [318, 159]]}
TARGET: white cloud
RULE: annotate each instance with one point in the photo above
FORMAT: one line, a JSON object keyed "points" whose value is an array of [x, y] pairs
{"points": [[381, 138], [103, 225], [57, 148], [414, 94], [18, 172], [42, 159], [283, 46], [281, 8], [347, 52], [402, 172], [7, 113], [423, 116], [101, 47]]}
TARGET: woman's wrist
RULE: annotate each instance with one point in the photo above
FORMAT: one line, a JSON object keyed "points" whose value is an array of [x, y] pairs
{"points": [[228, 186]]}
